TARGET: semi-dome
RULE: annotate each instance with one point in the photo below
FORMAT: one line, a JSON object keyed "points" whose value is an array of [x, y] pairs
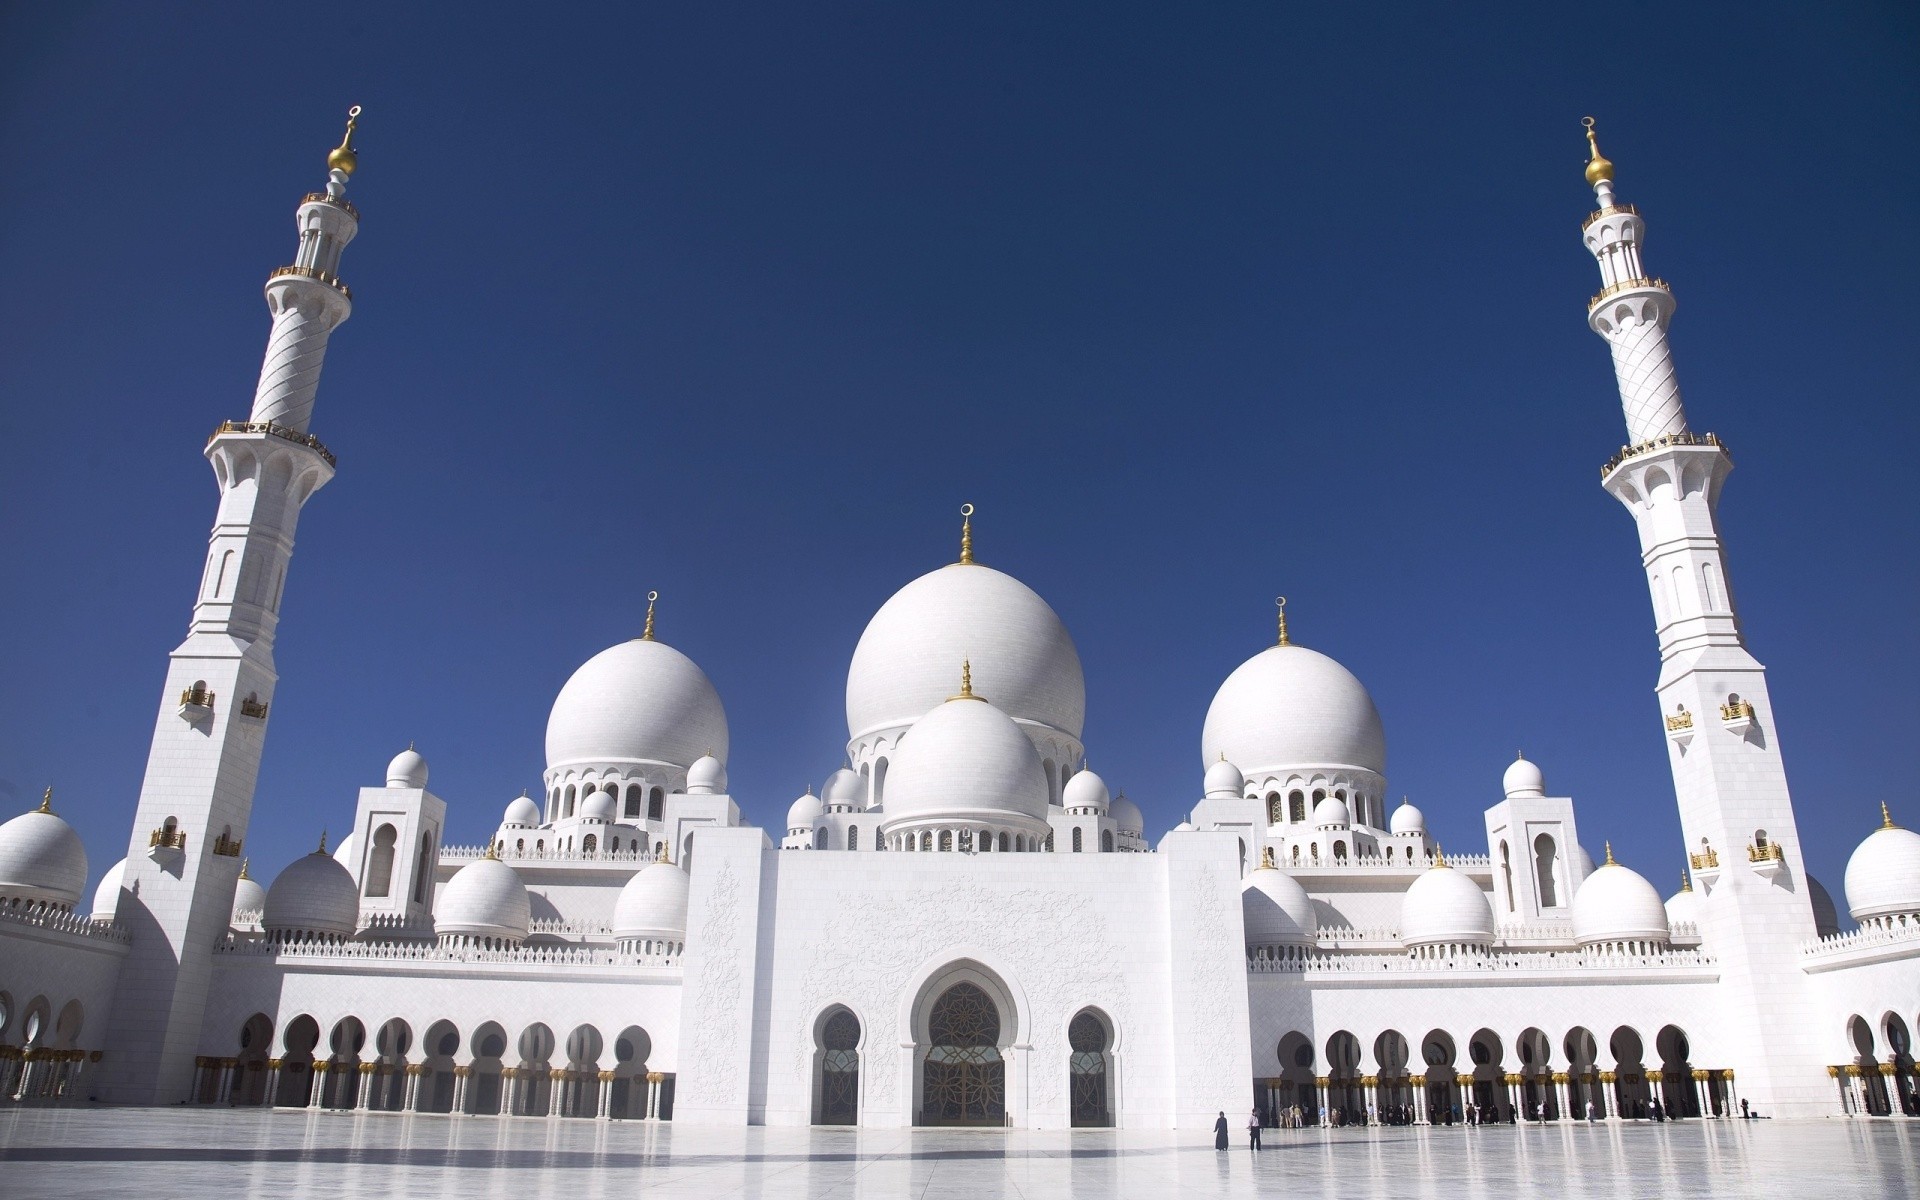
{"points": [[1224, 782], [1023, 660], [314, 894], [803, 812], [638, 702], [522, 811], [1444, 907], [484, 899], [41, 858], [653, 904], [407, 770], [1086, 790], [1332, 813], [1617, 904], [1289, 706], [1523, 778], [106, 897], [966, 760], [1407, 819], [707, 777], [1883, 876], [843, 789], [1277, 910], [1126, 814], [249, 899], [599, 806]]}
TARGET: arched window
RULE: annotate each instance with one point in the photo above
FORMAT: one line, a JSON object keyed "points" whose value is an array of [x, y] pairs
{"points": [[879, 782], [380, 861], [423, 871], [1276, 811], [1106, 841], [1506, 875], [1297, 807], [1076, 839], [1544, 854], [1760, 839], [946, 839], [1087, 1072], [1004, 840], [566, 808], [926, 839], [853, 837], [820, 839], [1340, 851], [840, 1070], [589, 844], [635, 796], [656, 803]]}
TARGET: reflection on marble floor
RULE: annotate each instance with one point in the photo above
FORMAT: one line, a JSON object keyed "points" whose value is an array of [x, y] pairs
{"points": [[161, 1153]]}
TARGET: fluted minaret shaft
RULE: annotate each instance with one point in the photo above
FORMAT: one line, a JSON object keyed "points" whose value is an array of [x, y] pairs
{"points": [[307, 301], [1631, 311]]}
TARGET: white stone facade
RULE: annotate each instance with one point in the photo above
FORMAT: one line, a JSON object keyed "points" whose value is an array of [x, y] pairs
{"points": [[625, 947]]}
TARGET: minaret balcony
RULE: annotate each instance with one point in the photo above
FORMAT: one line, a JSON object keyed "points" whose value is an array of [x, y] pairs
{"points": [[326, 277], [228, 847], [196, 703], [1660, 443], [1608, 211], [280, 431], [341, 202], [1614, 289], [1767, 860], [1738, 717], [1680, 728], [167, 837], [255, 707]]}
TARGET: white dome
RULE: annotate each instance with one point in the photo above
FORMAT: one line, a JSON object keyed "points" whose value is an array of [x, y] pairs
{"points": [[1444, 907], [966, 760], [1523, 778], [1184, 827], [106, 897], [1617, 904], [522, 811], [1277, 910], [1126, 814], [802, 813], [844, 788], [638, 702], [249, 900], [1086, 790], [1289, 706], [1224, 781], [1332, 813], [41, 858], [1023, 661], [313, 895], [485, 898], [599, 806], [653, 904], [1407, 819], [1683, 907], [347, 853], [407, 770], [1584, 859], [707, 777], [1883, 876]]}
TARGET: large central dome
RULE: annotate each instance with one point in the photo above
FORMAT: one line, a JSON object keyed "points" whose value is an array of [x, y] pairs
{"points": [[638, 702], [1023, 660], [1289, 706]]}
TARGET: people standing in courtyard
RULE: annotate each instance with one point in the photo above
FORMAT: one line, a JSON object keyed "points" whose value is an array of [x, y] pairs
{"points": [[1253, 1130], [1220, 1131]]}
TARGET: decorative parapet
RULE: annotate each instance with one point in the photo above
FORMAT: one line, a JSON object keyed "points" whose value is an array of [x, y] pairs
{"points": [[509, 854], [1707, 860], [228, 847], [280, 431], [340, 202], [418, 951], [1608, 211], [1493, 963], [1662, 443], [326, 277], [1884, 939], [62, 920], [1628, 285], [1770, 852], [167, 838], [396, 925]]}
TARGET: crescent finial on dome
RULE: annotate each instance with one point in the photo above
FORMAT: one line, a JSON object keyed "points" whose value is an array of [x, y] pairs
{"points": [[1439, 856], [344, 158], [1686, 882], [1886, 817], [1281, 603], [46, 802], [966, 534], [323, 843], [646, 635], [1609, 862], [244, 864], [1599, 169]]}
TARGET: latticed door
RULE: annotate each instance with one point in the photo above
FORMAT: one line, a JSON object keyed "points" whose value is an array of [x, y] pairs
{"points": [[840, 1070], [1087, 1071], [965, 1080]]}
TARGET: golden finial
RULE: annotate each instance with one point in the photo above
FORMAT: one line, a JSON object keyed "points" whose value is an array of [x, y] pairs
{"points": [[344, 159], [491, 847], [1598, 168], [323, 843], [1280, 602], [244, 864], [1610, 862], [1439, 856], [1686, 882], [966, 682], [646, 635], [46, 802], [1886, 818], [966, 534], [1266, 859]]}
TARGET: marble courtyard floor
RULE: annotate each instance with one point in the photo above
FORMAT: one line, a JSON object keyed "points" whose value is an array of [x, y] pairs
{"points": [[154, 1154]]}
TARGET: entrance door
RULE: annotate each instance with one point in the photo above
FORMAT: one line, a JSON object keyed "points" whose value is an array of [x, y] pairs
{"points": [[840, 1070], [964, 1081], [1087, 1071]]}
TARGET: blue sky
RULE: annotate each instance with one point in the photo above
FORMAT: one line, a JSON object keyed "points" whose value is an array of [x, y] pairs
{"points": [[741, 303]]}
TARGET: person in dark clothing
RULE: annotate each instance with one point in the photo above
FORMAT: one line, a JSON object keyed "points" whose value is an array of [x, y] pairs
{"points": [[1220, 1132]]}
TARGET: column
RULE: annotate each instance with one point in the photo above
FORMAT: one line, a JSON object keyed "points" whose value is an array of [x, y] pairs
{"points": [[1372, 1085], [317, 1084], [1419, 1083], [653, 1096], [410, 1100], [558, 1078], [1320, 1090], [227, 1068], [459, 1090], [1705, 1096], [363, 1095], [1857, 1088], [605, 1104]]}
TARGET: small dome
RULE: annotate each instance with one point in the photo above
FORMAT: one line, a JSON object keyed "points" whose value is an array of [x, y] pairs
{"points": [[1617, 904], [1883, 876], [1585, 860], [802, 813], [1289, 707], [1184, 827], [1277, 910], [407, 770], [1683, 907], [522, 811], [249, 900], [41, 859], [347, 853], [313, 895], [1407, 819], [653, 904], [1523, 778], [844, 789], [707, 777], [966, 760], [106, 897], [1126, 814], [638, 702], [1224, 782], [1086, 790], [599, 806], [1444, 907], [1332, 813], [1826, 917], [485, 898]]}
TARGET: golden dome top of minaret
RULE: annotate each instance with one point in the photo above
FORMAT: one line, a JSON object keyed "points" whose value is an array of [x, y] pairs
{"points": [[343, 158], [1599, 167]]}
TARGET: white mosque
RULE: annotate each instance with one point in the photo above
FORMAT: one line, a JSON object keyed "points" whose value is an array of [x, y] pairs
{"points": [[1027, 955]]}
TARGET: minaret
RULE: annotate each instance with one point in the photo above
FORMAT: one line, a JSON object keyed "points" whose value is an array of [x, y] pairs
{"points": [[1722, 744], [184, 856]]}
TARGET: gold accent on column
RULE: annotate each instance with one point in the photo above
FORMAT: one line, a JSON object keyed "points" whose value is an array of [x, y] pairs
{"points": [[1598, 167], [344, 158]]}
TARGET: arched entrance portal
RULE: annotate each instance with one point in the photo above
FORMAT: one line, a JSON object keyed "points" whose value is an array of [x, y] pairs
{"points": [[1087, 1074], [964, 1079], [840, 1069]]}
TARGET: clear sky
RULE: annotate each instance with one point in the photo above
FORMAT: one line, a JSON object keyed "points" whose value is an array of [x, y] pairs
{"points": [[1198, 304]]}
